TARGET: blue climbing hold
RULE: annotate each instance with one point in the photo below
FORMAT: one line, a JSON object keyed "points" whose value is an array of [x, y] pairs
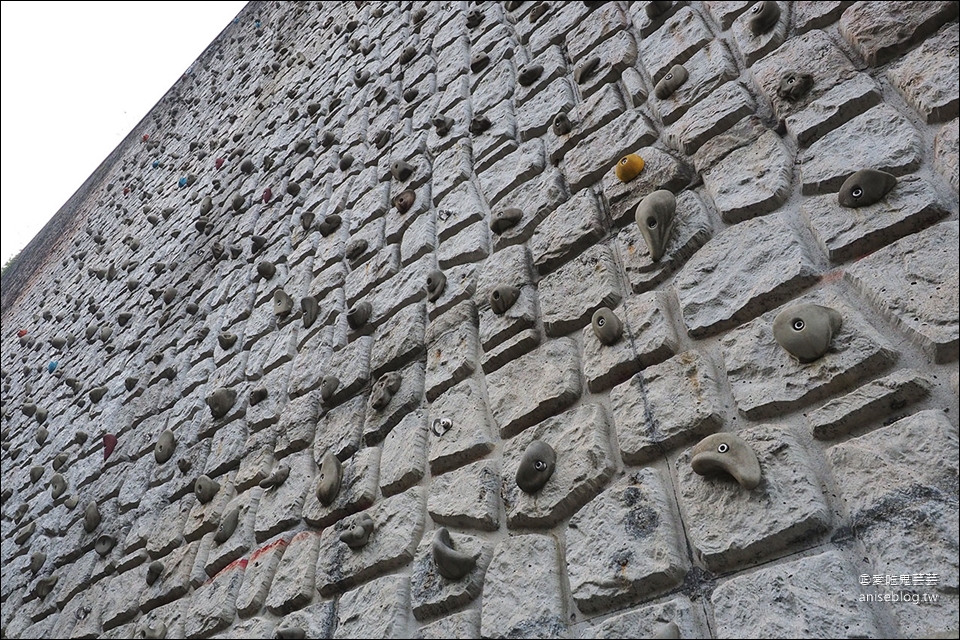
{"points": [[183, 181], [156, 163], [52, 366], [257, 24]]}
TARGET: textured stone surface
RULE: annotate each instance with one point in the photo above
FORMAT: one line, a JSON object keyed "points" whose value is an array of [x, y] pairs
{"points": [[258, 576], [924, 76], [465, 624], [468, 497], [378, 609], [403, 461], [469, 436], [946, 153], [358, 489], [293, 581], [525, 604], [212, 607], [431, 593], [566, 232], [729, 525], [603, 539], [880, 31], [569, 296], [710, 116], [740, 273], [833, 108], [646, 622], [908, 282]]}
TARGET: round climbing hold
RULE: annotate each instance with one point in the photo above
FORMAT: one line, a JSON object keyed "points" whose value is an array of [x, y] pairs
{"points": [[629, 167], [182, 182]]}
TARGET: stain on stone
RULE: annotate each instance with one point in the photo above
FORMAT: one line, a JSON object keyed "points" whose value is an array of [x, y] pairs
{"points": [[866, 187], [536, 466], [805, 330], [451, 564], [727, 453]]}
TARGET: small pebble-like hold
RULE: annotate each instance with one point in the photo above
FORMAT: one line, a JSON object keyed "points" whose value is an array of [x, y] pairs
{"points": [[293, 189], [474, 18], [247, 165], [36, 561], [28, 408], [206, 205], [40, 416], [512, 5], [409, 95], [358, 314], [763, 17], [328, 139], [25, 533], [805, 330], [401, 170], [502, 298], [169, 294], [97, 393], [441, 425], [329, 478], [504, 219], [282, 303], [407, 54], [184, 464], [379, 93], [109, 444], [163, 449], [726, 452], [671, 82], [629, 167], [306, 219], [345, 161], [42, 433], [287, 631], [58, 485], [45, 586], [657, 9], [384, 389], [436, 283], [205, 488], [258, 395], [91, 517], [561, 124], [154, 570], [529, 74], [866, 187], [479, 62], [221, 401], [404, 200], [607, 326], [226, 340], [358, 534], [277, 477], [538, 11], [157, 631], [20, 512], [794, 85], [585, 69], [310, 308], [360, 76], [536, 466], [104, 544], [237, 202], [228, 524], [59, 460], [330, 224], [257, 243], [266, 269], [355, 249], [71, 502], [451, 564], [218, 163], [442, 124], [36, 472], [382, 136], [479, 124], [328, 386], [655, 216]]}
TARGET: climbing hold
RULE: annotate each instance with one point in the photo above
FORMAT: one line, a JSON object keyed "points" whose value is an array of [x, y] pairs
{"points": [[502, 298], [71, 502], [358, 534], [607, 326], [247, 166], [104, 544], [310, 308], [169, 294], [57, 486], [763, 17], [529, 74], [330, 476], [345, 161], [228, 524], [657, 9], [504, 219], [25, 533], [97, 393], [561, 124], [45, 586], [257, 243], [355, 249], [237, 202], [479, 124], [330, 224], [328, 386], [671, 82], [409, 95], [267, 195], [536, 466], [442, 125], [226, 340], [805, 330], [109, 444], [91, 517], [407, 54], [156, 631], [441, 426], [52, 366], [277, 477], [36, 561], [360, 76], [36, 472], [206, 205], [166, 443], [306, 220], [404, 200], [585, 69], [865, 187], [40, 416], [537, 12], [257, 396], [358, 314], [182, 182], [59, 460], [293, 189], [328, 139], [205, 488], [655, 216], [401, 170], [218, 163], [794, 85], [451, 564], [379, 93], [153, 571], [479, 62], [729, 453], [474, 18], [42, 433], [221, 401], [629, 167], [287, 630], [28, 408], [282, 303], [266, 269], [436, 282], [384, 389], [184, 464]]}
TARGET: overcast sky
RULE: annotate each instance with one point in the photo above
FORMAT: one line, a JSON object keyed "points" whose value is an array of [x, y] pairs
{"points": [[77, 77]]}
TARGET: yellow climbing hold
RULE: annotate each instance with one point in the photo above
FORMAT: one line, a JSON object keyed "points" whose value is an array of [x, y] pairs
{"points": [[629, 167]]}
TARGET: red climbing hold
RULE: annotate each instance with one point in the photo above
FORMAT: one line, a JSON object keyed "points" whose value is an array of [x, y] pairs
{"points": [[21, 333], [218, 163], [109, 444], [126, 190], [146, 137], [267, 195]]}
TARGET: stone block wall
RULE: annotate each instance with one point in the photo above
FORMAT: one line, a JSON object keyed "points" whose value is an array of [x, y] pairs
{"points": [[366, 241]]}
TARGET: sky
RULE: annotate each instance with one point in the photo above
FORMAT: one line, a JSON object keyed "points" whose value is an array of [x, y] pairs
{"points": [[76, 78]]}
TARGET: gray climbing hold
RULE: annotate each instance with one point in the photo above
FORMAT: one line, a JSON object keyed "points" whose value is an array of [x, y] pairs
{"points": [[763, 17], [479, 62], [163, 449], [536, 466], [226, 340], [671, 82], [358, 534], [656, 9], [404, 200], [266, 269], [407, 54], [205, 488], [96, 394], [228, 524], [28, 408], [286, 630], [247, 166], [529, 74], [310, 308], [258, 395], [330, 224], [59, 460], [401, 170], [91, 517], [36, 472], [57, 485], [451, 564], [474, 18], [655, 217], [345, 161], [282, 303], [355, 249], [436, 283], [360, 76], [154, 570], [184, 464], [104, 544], [25, 533], [805, 330], [729, 453], [384, 389], [479, 124], [221, 401], [442, 125], [40, 416], [237, 202], [561, 124], [502, 298], [45, 585], [505, 219], [328, 386], [277, 477], [585, 69], [865, 187], [409, 95], [169, 294], [306, 219], [329, 478], [71, 502], [607, 326], [794, 85], [359, 314], [41, 435], [206, 205], [37, 559]]}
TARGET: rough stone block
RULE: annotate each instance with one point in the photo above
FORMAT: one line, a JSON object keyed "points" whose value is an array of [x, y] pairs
{"points": [[351, 365], [258, 577], [340, 429], [213, 606], [403, 462], [378, 609], [280, 508], [714, 66], [174, 580], [398, 342], [298, 424], [567, 232], [680, 37], [604, 561], [469, 245], [432, 594], [536, 198], [358, 489], [468, 497], [293, 582], [648, 621], [710, 116], [753, 47], [598, 152], [379, 422], [452, 353], [523, 164], [835, 107], [815, 14], [570, 295], [881, 30], [469, 436]]}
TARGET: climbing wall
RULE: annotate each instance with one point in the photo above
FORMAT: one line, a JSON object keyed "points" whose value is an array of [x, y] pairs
{"points": [[515, 319]]}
